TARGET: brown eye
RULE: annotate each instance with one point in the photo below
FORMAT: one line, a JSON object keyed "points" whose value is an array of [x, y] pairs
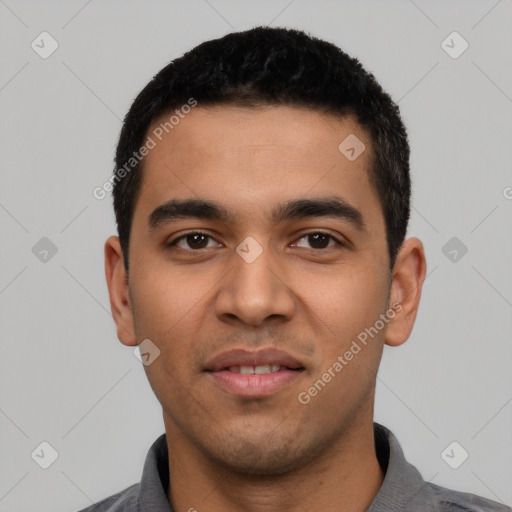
{"points": [[197, 241], [319, 240], [194, 241]]}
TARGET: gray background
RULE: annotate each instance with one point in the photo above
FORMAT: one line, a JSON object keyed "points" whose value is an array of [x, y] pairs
{"points": [[66, 379]]}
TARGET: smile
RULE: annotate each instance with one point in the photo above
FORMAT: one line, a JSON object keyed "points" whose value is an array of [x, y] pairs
{"points": [[253, 374], [256, 370]]}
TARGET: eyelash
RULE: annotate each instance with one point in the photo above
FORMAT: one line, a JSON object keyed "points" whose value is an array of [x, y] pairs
{"points": [[331, 237]]}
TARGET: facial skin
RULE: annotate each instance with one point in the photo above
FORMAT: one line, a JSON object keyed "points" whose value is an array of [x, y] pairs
{"points": [[308, 296]]}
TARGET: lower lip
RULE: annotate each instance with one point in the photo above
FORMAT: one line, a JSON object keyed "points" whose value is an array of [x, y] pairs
{"points": [[254, 385]]}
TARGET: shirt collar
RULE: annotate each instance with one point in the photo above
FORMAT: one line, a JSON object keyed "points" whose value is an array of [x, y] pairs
{"points": [[154, 483], [402, 481]]}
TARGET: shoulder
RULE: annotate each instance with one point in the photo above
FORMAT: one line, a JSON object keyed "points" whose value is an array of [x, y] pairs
{"points": [[405, 489], [447, 500], [124, 501]]}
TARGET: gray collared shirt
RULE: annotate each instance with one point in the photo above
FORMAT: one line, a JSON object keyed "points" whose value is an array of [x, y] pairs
{"points": [[403, 488]]}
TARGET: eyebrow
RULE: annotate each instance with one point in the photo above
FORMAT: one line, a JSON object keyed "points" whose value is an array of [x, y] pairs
{"points": [[333, 206]]}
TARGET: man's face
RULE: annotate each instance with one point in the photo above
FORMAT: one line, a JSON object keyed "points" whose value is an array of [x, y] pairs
{"points": [[289, 293]]}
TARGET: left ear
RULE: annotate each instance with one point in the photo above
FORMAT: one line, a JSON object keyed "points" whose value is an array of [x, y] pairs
{"points": [[408, 276]]}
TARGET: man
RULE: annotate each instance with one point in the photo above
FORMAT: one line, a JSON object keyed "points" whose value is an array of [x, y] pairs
{"points": [[262, 196]]}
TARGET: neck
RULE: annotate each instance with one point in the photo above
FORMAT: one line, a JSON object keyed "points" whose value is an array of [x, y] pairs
{"points": [[347, 477]]}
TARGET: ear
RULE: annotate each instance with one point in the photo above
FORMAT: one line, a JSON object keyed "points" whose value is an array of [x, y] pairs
{"points": [[117, 283], [407, 281]]}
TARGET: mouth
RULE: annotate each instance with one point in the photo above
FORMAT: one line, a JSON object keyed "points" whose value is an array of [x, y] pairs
{"points": [[261, 369], [254, 374]]}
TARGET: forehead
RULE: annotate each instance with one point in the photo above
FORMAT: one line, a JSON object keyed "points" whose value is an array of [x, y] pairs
{"points": [[250, 158], [226, 130]]}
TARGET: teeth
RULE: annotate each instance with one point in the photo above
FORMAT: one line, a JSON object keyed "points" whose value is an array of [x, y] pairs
{"points": [[252, 370], [246, 370], [260, 370]]}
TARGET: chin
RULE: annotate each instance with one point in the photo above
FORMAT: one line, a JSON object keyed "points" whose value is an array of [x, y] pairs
{"points": [[258, 461], [265, 456]]}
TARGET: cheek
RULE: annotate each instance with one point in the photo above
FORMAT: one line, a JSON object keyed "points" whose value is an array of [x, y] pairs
{"points": [[345, 374], [169, 310], [165, 302], [346, 303]]}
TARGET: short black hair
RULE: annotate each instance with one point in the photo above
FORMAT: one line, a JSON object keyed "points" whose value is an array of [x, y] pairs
{"points": [[267, 66]]}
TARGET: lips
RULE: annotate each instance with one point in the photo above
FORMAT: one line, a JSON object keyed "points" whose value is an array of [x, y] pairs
{"points": [[253, 374]]}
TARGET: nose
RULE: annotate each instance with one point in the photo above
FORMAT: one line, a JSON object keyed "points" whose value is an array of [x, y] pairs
{"points": [[253, 292]]}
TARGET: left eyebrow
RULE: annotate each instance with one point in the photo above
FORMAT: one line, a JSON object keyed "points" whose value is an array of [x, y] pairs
{"points": [[333, 206]]}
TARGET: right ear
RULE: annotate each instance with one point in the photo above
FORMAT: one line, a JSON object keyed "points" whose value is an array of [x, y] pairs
{"points": [[115, 273]]}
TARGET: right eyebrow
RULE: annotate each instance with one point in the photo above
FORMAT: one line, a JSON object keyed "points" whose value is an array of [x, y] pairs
{"points": [[182, 209]]}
